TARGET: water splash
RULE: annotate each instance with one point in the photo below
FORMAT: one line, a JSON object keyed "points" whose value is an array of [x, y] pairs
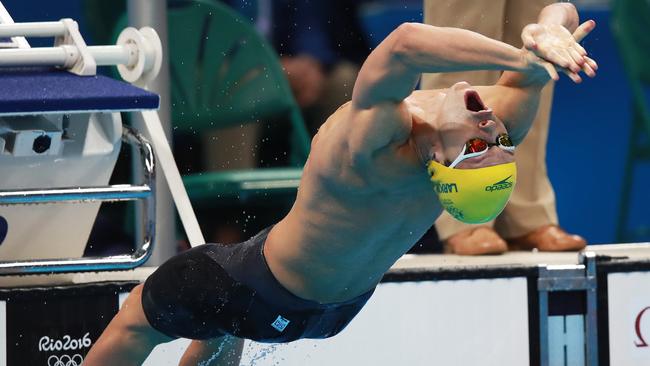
{"points": [[226, 340], [263, 353]]}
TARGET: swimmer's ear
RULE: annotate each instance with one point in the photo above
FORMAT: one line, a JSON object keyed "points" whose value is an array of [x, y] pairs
{"points": [[438, 158], [436, 153]]}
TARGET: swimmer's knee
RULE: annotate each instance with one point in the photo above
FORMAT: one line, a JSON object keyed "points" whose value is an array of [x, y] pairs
{"points": [[137, 289], [135, 294], [132, 306]]}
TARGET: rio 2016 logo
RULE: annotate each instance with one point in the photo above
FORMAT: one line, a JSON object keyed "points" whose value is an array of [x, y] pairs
{"points": [[67, 343], [637, 328], [65, 360]]}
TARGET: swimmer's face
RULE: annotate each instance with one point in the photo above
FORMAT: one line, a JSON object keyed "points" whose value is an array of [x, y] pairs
{"points": [[463, 116]]}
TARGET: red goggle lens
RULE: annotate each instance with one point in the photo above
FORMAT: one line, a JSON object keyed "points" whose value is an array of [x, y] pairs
{"points": [[476, 145]]}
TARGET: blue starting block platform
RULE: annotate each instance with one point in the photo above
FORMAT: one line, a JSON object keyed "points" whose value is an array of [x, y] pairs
{"points": [[51, 90]]}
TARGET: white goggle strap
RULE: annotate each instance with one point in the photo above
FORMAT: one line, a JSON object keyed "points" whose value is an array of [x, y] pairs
{"points": [[462, 155]]}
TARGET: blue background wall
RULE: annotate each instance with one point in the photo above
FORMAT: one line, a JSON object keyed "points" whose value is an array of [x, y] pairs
{"points": [[588, 143]]}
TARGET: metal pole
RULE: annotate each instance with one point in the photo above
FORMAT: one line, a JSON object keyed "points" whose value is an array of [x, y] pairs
{"points": [[153, 13], [591, 318]]}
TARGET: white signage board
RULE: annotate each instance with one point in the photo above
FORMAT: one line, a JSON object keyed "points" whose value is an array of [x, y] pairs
{"points": [[3, 333], [465, 322], [629, 318]]}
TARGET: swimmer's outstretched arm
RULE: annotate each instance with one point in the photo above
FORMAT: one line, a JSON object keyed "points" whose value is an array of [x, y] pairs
{"points": [[555, 38], [392, 70]]}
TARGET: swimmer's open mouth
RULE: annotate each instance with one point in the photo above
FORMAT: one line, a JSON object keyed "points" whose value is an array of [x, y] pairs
{"points": [[473, 102]]}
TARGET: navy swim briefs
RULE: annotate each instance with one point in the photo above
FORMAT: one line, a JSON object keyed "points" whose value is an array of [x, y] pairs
{"points": [[214, 289]]}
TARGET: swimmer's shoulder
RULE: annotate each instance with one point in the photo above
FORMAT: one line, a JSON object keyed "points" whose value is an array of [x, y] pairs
{"points": [[340, 113], [425, 93], [344, 106]]}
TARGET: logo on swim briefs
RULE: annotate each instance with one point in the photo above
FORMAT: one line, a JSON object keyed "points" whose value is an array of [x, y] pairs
{"points": [[502, 184], [280, 323], [445, 187]]}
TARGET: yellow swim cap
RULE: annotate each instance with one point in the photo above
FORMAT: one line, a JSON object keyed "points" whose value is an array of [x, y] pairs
{"points": [[476, 195]]}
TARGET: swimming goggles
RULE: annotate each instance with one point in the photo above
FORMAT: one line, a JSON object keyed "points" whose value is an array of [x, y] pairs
{"points": [[477, 146]]}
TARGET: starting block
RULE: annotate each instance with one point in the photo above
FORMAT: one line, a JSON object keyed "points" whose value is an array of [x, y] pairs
{"points": [[60, 134]]}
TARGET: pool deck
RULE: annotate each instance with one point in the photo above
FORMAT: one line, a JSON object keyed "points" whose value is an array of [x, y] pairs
{"points": [[410, 262]]}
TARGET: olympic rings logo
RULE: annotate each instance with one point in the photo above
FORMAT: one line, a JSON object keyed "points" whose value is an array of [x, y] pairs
{"points": [[65, 360]]}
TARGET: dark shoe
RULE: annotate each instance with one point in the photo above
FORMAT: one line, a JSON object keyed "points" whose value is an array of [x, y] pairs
{"points": [[549, 238], [478, 241]]}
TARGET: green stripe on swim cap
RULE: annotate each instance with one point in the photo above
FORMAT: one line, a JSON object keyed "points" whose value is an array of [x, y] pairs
{"points": [[473, 196]]}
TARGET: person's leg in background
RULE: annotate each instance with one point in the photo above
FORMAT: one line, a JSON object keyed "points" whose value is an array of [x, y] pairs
{"points": [[530, 219], [485, 17]]}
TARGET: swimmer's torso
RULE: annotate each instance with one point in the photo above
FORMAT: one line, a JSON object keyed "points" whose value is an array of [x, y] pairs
{"points": [[354, 216]]}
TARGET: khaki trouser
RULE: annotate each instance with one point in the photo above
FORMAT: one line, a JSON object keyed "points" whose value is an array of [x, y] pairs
{"points": [[533, 201]]}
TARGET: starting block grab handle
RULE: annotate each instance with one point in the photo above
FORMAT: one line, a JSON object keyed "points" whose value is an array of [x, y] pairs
{"points": [[66, 55], [137, 54], [32, 29], [173, 178], [113, 193]]}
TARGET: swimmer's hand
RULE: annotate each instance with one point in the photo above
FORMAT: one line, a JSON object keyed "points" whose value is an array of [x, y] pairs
{"points": [[555, 44], [536, 70]]}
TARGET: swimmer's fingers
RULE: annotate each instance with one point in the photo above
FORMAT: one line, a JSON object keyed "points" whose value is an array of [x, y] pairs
{"points": [[578, 53], [576, 56], [589, 67], [583, 30], [552, 72], [574, 76], [591, 63], [529, 40], [561, 58], [580, 49], [574, 61]]}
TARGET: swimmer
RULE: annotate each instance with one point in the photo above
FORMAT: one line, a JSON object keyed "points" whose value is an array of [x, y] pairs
{"points": [[380, 171]]}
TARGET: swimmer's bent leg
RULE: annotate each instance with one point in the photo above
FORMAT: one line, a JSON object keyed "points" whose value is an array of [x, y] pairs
{"points": [[215, 289], [128, 339]]}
